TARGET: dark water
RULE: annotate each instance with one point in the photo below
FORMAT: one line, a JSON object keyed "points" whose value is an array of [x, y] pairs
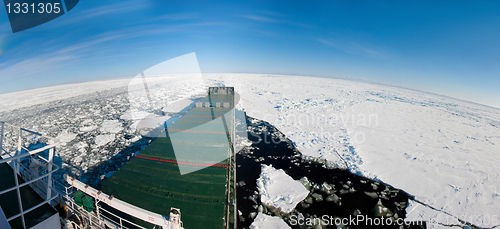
{"points": [[349, 188]]}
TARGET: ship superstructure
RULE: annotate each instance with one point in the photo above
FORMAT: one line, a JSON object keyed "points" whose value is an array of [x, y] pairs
{"points": [[27, 192]]}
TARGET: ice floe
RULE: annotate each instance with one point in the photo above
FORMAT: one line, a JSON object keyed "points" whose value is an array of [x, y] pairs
{"points": [[279, 190], [263, 221]]}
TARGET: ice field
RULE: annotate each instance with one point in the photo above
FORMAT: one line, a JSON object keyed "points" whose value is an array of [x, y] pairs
{"points": [[444, 151]]}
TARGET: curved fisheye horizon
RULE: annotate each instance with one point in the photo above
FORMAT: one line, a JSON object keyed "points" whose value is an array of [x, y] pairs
{"points": [[242, 74], [443, 48], [247, 115]]}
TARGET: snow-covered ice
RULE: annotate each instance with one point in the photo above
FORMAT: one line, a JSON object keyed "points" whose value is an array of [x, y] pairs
{"points": [[279, 190], [444, 151], [92, 120], [65, 137], [87, 128], [111, 126], [32, 97], [104, 139], [134, 116], [263, 221]]}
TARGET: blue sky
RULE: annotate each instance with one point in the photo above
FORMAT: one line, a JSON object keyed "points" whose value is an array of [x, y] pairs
{"points": [[445, 47]]}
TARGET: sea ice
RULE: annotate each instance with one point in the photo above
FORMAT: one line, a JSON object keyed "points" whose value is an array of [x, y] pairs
{"points": [[279, 190], [65, 137], [104, 139], [442, 150], [20, 99], [263, 221], [111, 126]]}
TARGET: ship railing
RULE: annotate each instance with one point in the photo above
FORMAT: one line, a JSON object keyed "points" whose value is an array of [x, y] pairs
{"points": [[95, 219], [85, 218], [40, 184], [121, 220], [67, 224], [13, 158]]}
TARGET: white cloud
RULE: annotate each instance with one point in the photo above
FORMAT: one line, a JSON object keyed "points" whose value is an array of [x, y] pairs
{"points": [[47, 63], [271, 13], [90, 43], [33, 66], [178, 16], [261, 18], [273, 20], [104, 10]]}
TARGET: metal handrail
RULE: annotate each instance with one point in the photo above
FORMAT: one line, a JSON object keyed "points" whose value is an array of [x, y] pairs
{"points": [[53, 142], [137, 212], [34, 180], [101, 209], [116, 223], [26, 183], [32, 208], [99, 216], [27, 154]]}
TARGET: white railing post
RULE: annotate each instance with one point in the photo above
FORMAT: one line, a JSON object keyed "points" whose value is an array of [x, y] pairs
{"points": [[1, 138], [49, 182], [234, 164], [19, 149], [16, 172], [98, 213]]}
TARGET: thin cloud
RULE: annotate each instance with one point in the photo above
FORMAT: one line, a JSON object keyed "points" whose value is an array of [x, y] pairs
{"points": [[261, 18], [179, 16], [59, 58], [131, 33], [134, 32], [176, 17], [105, 10], [34, 66], [89, 43], [273, 20], [152, 29], [272, 13], [351, 47], [176, 28]]}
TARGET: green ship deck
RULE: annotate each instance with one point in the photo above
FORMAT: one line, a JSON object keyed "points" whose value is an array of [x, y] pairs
{"points": [[187, 168]]}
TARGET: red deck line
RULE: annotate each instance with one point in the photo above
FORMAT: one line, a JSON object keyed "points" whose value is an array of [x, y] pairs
{"points": [[177, 162], [199, 131]]}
